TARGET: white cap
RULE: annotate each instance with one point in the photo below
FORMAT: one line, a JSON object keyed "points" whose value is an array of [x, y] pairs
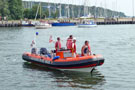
{"points": [[74, 38]]}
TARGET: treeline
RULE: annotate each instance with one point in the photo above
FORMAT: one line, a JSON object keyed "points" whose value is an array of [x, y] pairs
{"points": [[11, 9], [30, 13]]}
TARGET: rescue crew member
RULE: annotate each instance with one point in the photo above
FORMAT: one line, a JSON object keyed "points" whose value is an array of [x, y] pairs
{"points": [[69, 42], [85, 51], [74, 48], [58, 44]]}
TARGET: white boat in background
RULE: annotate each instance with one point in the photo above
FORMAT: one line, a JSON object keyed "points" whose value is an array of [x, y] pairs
{"points": [[87, 24], [27, 23], [43, 25], [87, 20]]}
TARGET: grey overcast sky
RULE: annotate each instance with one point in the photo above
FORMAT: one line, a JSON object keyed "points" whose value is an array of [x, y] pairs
{"points": [[125, 6]]}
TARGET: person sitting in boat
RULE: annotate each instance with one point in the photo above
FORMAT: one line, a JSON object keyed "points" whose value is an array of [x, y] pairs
{"points": [[74, 48], [69, 42], [58, 44], [85, 51]]}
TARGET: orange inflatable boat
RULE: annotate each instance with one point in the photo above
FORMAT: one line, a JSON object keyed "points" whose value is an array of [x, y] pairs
{"points": [[63, 60]]}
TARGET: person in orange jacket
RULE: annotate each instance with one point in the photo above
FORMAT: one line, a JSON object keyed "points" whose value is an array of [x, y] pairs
{"points": [[86, 50], [69, 42], [58, 44]]}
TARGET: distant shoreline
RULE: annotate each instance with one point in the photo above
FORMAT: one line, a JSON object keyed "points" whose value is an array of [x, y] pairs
{"points": [[99, 21]]}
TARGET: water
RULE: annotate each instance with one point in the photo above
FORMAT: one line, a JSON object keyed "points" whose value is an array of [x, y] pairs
{"points": [[116, 43]]}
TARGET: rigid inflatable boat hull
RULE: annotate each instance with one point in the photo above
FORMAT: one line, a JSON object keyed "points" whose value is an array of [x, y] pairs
{"points": [[73, 64]]}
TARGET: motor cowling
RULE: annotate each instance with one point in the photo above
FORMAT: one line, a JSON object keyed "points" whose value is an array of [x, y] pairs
{"points": [[43, 51]]}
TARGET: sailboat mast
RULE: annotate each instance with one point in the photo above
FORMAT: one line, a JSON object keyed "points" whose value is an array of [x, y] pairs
{"points": [[49, 9], [133, 7], [95, 9], [105, 10], [84, 9], [116, 9], [68, 10], [37, 11], [79, 11], [72, 9], [40, 11], [60, 10]]}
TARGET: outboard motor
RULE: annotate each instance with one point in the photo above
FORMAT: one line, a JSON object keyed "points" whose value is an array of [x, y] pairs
{"points": [[43, 51], [33, 50]]}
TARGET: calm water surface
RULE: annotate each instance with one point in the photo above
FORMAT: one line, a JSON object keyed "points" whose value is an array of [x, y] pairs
{"points": [[116, 43]]}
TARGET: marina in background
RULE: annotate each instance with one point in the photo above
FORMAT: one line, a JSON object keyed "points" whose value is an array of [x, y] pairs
{"points": [[99, 21]]}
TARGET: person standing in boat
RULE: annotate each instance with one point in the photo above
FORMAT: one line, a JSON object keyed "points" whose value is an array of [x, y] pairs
{"points": [[74, 48], [58, 44], [69, 42], [86, 50]]}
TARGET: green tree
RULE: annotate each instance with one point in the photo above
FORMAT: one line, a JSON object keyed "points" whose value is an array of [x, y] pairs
{"points": [[4, 8], [31, 12], [15, 7], [1, 3], [26, 13], [34, 11]]}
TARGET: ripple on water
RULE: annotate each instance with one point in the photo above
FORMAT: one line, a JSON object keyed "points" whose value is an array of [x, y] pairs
{"points": [[115, 43]]}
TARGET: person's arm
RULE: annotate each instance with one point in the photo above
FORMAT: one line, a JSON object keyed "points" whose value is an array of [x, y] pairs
{"points": [[82, 50], [56, 45], [89, 49]]}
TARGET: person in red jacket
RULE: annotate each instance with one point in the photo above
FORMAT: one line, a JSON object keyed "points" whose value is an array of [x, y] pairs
{"points": [[58, 44], [69, 42]]}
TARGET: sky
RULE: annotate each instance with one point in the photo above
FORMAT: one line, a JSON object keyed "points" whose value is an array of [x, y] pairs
{"points": [[125, 6]]}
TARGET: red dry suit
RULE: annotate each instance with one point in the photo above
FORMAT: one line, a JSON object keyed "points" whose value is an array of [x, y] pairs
{"points": [[58, 45]]}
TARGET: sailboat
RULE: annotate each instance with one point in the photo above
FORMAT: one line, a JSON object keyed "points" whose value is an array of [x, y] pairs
{"points": [[85, 23], [63, 21], [41, 24]]}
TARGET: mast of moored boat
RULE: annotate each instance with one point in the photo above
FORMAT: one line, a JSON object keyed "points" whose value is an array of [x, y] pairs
{"points": [[40, 11], [133, 10], [59, 9], [68, 9], [105, 10], [72, 9], [95, 15], [37, 10], [49, 9], [79, 9], [84, 9], [85, 13]]}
